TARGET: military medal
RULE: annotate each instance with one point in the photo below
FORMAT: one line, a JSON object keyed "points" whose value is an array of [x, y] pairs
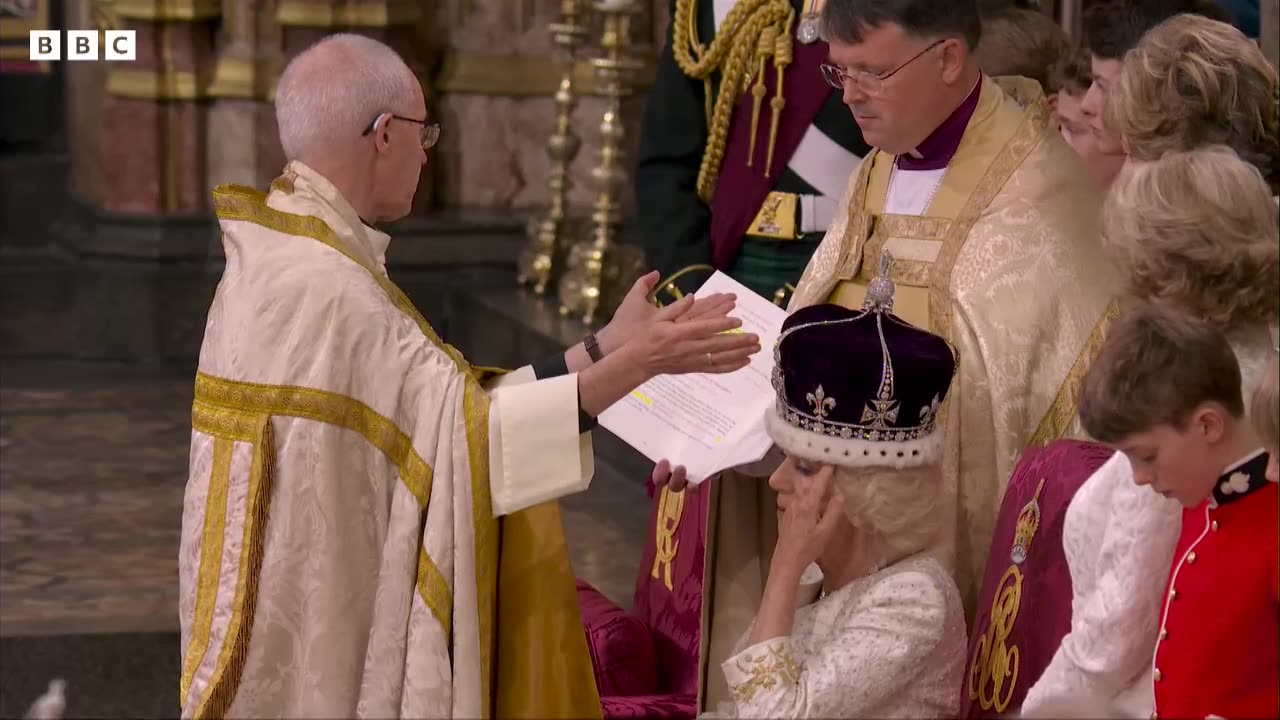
{"points": [[807, 31]]}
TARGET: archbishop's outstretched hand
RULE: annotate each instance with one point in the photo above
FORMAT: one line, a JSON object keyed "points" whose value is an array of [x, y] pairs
{"points": [[693, 336]]}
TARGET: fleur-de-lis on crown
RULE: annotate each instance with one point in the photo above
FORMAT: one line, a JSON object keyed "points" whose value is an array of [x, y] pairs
{"points": [[820, 402], [929, 412]]}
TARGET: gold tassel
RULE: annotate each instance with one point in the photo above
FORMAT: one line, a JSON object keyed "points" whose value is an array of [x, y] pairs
{"points": [[225, 685], [781, 59], [764, 48]]}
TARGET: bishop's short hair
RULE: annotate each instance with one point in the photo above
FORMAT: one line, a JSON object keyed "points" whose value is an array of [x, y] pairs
{"points": [[1157, 366], [848, 20]]}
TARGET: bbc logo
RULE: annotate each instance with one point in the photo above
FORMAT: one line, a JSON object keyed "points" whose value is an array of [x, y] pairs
{"points": [[83, 45]]}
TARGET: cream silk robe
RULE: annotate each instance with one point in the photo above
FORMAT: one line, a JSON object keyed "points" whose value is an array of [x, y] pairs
{"points": [[1006, 263], [342, 553]]}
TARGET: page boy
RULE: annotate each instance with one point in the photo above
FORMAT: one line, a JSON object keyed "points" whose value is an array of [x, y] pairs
{"points": [[1166, 391]]}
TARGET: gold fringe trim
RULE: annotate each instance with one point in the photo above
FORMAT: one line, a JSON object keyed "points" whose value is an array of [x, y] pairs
{"points": [[235, 648], [215, 520], [321, 406], [228, 408], [1061, 416], [752, 32], [231, 203], [475, 403]]}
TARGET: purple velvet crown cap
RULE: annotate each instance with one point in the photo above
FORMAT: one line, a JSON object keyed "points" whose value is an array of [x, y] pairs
{"points": [[860, 388]]}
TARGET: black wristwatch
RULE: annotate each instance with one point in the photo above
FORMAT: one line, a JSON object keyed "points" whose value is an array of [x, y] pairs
{"points": [[593, 348]]}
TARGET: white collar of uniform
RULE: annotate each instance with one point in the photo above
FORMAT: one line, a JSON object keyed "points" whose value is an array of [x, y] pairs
{"points": [[367, 242]]}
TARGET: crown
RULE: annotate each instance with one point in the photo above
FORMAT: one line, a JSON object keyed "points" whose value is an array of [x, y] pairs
{"points": [[860, 387], [1025, 530]]}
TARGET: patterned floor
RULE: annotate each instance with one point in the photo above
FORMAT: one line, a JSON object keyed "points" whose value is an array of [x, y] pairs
{"points": [[92, 466]]}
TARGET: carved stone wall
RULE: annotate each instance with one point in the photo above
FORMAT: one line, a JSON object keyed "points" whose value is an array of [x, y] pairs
{"points": [[151, 138], [495, 85]]}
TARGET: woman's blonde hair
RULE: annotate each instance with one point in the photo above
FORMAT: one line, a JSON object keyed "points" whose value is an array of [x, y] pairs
{"points": [[895, 509], [1199, 229], [1264, 408], [1190, 82]]}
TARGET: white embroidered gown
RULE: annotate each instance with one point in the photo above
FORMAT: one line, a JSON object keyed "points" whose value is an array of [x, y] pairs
{"points": [[1119, 540], [890, 645]]}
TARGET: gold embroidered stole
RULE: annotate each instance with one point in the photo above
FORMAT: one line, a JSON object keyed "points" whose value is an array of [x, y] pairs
{"points": [[925, 246]]}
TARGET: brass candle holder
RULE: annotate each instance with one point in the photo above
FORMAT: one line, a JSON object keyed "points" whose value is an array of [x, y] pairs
{"points": [[540, 257], [598, 267]]}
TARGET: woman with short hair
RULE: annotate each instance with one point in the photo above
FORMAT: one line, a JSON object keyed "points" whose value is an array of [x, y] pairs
{"points": [[1192, 82]]}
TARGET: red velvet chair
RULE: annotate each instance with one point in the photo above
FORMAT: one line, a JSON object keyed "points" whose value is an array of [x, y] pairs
{"points": [[1025, 606], [646, 660]]}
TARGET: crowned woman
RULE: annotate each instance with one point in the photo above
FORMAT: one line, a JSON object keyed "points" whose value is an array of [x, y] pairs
{"points": [[856, 619]]}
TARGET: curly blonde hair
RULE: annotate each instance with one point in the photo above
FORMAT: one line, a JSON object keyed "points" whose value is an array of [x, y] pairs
{"points": [[1199, 229], [896, 509], [1190, 82]]}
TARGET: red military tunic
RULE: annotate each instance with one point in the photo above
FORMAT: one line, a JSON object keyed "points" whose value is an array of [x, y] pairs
{"points": [[1219, 647]]}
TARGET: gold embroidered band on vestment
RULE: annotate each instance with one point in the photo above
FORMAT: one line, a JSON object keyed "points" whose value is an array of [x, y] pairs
{"points": [[239, 203]]}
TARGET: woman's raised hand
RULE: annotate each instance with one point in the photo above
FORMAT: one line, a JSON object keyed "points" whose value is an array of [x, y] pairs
{"points": [[810, 520]]}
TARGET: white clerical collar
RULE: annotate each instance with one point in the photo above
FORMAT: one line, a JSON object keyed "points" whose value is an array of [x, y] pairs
{"points": [[368, 240]]}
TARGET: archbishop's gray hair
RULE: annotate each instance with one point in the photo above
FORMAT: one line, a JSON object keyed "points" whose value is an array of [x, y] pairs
{"points": [[333, 90]]}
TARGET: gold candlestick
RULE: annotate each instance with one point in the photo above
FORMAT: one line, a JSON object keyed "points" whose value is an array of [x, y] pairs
{"points": [[539, 259], [591, 270]]}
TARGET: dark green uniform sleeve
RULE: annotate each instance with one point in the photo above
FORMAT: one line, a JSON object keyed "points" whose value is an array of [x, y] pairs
{"points": [[674, 224]]}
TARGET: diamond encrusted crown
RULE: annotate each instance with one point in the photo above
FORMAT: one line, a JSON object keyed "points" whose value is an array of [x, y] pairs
{"points": [[862, 376]]}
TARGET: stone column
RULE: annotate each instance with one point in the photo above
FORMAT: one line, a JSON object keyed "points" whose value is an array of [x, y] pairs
{"points": [[1269, 23], [243, 146], [85, 85], [153, 121], [498, 72]]}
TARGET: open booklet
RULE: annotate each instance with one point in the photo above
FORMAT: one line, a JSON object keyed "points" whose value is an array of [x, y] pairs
{"points": [[707, 423]]}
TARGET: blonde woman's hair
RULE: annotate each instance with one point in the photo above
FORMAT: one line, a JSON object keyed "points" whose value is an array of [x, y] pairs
{"points": [[896, 509], [1198, 229], [1190, 82], [1264, 408]]}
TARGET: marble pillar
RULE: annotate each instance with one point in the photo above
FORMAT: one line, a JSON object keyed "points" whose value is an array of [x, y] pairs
{"points": [[242, 143], [494, 89], [84, 87], [152, 145]]}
